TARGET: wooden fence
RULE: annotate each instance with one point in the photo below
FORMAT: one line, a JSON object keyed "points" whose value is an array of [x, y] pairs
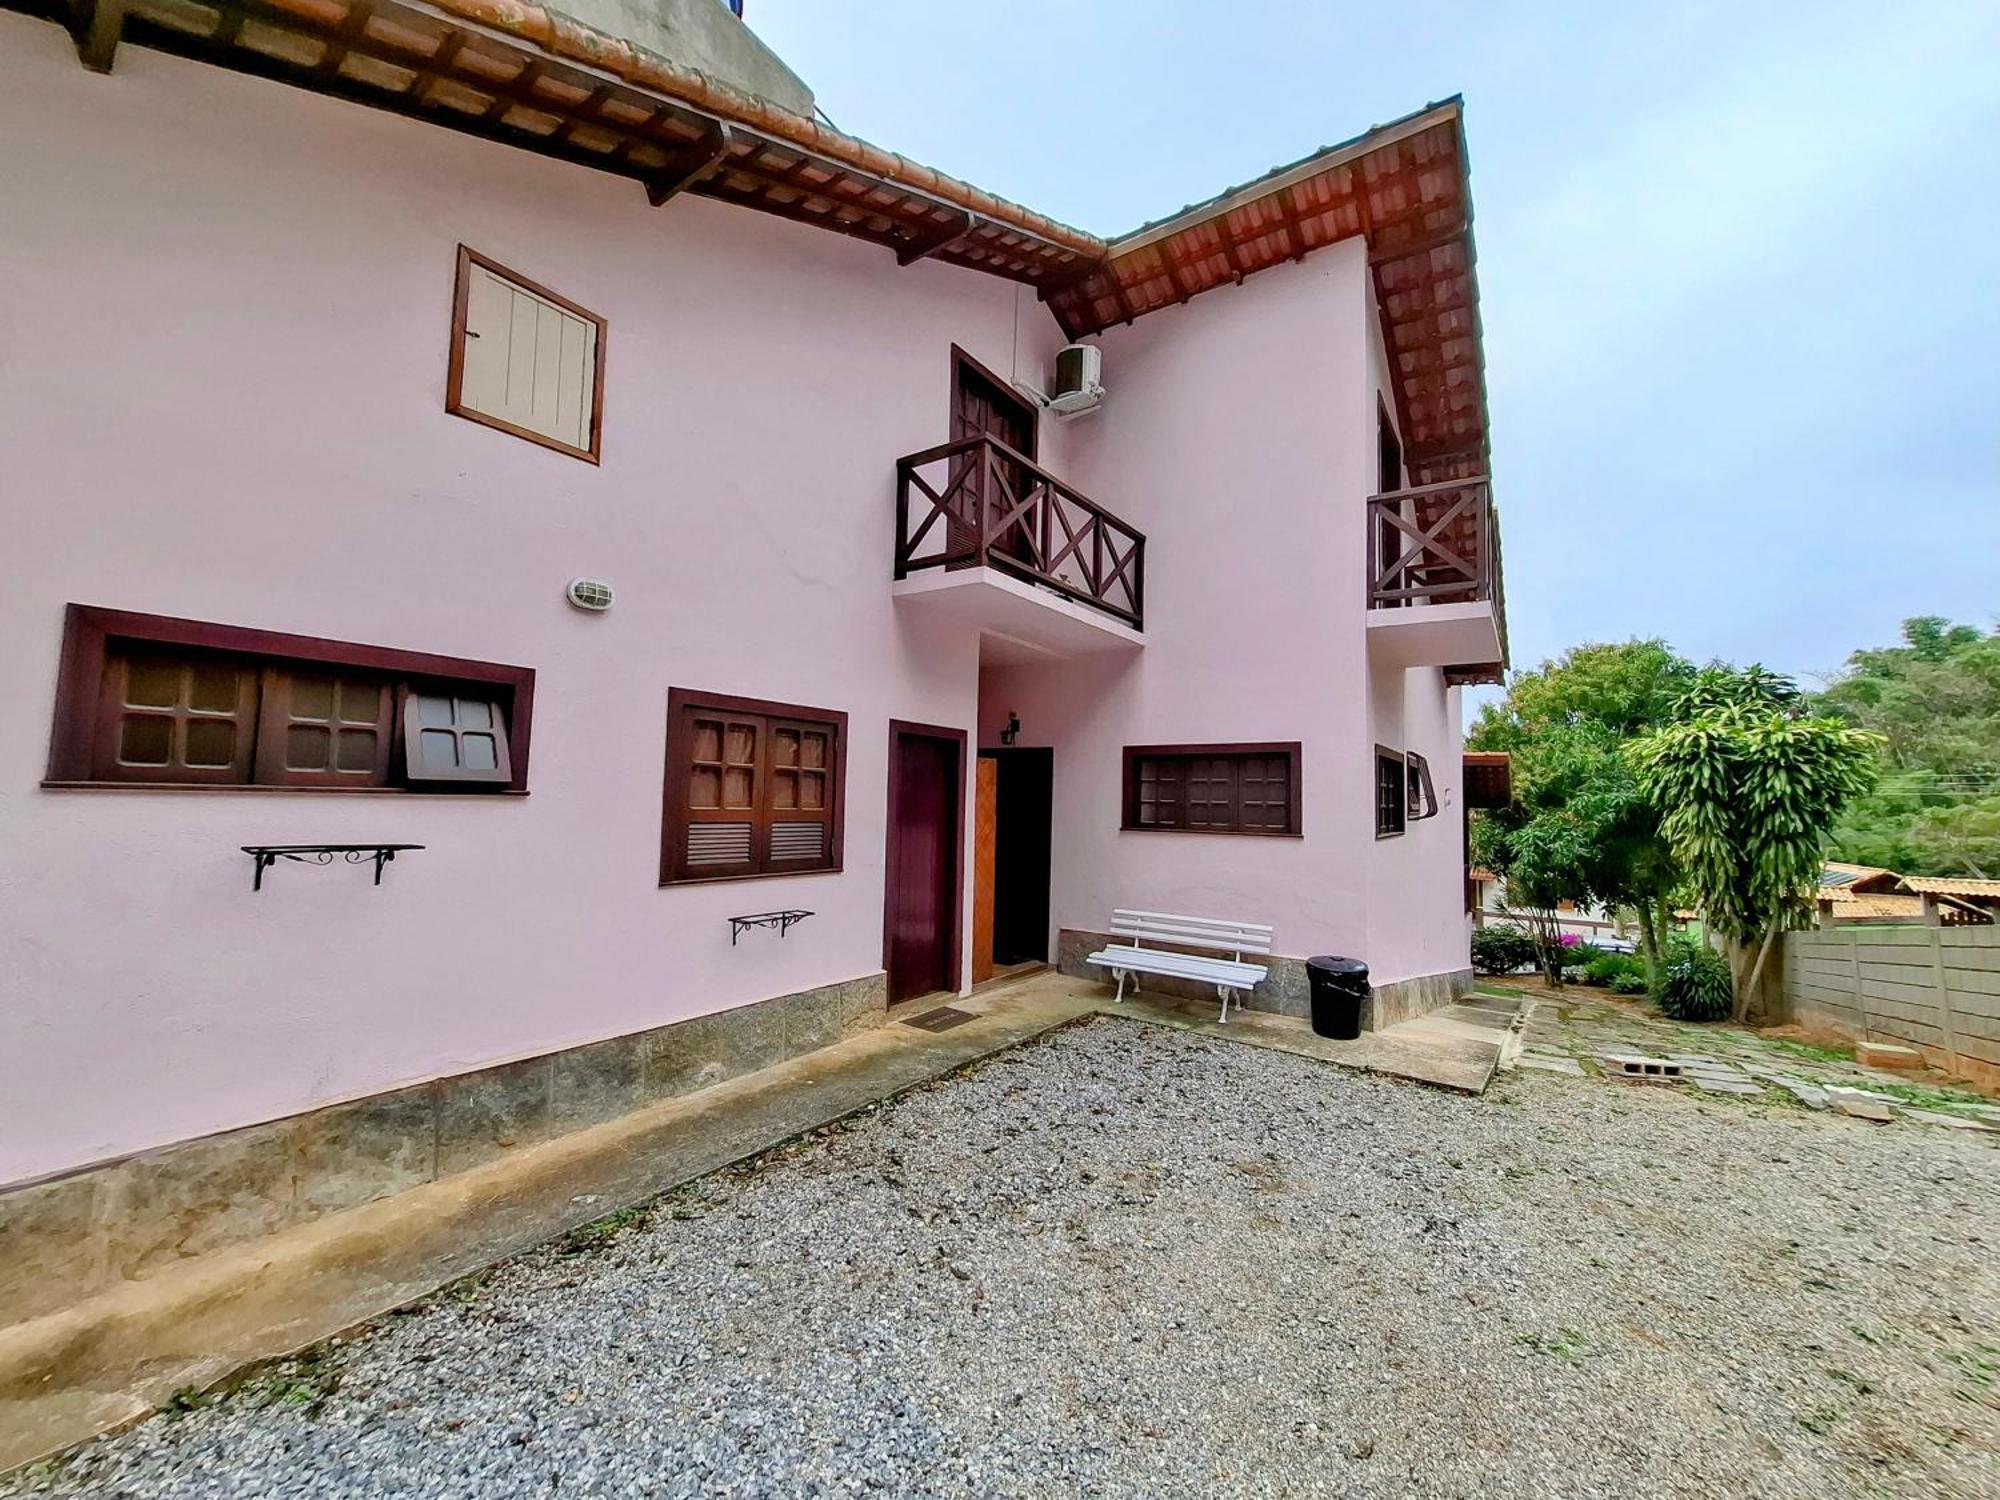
{"points": [[1933, 988]]}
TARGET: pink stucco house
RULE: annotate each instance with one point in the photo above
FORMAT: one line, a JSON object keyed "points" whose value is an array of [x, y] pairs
{"points": [[538, 445]]}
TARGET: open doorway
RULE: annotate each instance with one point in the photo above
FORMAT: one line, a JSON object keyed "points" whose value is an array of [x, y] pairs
{"points": [[1013, 848]]}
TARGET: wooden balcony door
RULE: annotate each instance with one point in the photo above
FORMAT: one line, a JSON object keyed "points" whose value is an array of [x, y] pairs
{"points": [[984, 405], [925, 866]]}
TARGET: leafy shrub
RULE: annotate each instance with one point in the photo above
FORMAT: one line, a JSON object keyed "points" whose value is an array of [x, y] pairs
{"points": [[1583, 954], [1501, 948], [1573, 974], [1628, 984], [1696, 986], [1609, 968]]}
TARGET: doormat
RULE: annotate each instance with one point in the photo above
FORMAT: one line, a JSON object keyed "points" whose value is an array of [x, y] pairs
{"points": [[942, 1019]]}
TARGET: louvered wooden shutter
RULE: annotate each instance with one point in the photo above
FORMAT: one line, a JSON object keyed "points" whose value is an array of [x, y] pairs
{"points": [[749, 793], [720, 788], [798, 808]]}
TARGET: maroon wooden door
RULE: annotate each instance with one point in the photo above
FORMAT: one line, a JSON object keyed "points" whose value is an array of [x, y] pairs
{"points": [[925, 810]]}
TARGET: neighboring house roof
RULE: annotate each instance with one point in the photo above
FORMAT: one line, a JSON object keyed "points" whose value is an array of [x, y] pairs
{"points": [[535, 78], [1489, 778], [1837, 879], [1961, 886], [1863, 906]]}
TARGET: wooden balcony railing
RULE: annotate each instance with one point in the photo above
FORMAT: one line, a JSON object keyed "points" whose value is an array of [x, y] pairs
{"points": [[979, 503], [1436, 544]]}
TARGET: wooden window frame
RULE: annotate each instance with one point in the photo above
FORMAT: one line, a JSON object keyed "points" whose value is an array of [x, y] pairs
{"points": [[1383, 755], [89, 635], [1290, 750], [682, 705], [454, 388]]}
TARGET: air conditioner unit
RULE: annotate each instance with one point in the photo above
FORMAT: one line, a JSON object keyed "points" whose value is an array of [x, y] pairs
{"points": [[1079, 380]]}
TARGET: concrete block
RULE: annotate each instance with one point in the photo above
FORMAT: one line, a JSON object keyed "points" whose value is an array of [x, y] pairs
{"points": [[1651, 1069], [1887, 1055]]}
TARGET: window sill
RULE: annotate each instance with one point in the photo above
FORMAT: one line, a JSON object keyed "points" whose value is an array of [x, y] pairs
{"points": [[753, 875], [1224, 833], [291, 791]]}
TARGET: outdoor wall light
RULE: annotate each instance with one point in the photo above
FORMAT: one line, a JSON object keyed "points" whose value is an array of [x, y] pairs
{"points": [[1013, 728]]}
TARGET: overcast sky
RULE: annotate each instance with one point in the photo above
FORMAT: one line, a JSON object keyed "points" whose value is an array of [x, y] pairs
{"points": [[1739, 263]]}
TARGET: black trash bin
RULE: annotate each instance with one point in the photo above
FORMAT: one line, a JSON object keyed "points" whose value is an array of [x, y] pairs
{"points": [[1339, 990]]}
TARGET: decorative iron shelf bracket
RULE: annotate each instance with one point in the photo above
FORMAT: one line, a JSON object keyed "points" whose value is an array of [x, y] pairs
{"points": [[263, 856], [784, 921]]}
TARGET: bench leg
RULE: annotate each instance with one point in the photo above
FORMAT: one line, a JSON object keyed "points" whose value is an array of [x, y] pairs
{"points": [[1120, 997], [1225, 1001]]}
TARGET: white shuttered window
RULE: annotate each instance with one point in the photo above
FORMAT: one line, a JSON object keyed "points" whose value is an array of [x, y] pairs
{"points": [[524, 359]]}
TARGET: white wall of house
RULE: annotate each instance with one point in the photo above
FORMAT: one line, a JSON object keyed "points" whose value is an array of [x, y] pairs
{"points": [[223, 344], [221, 397], [1239, 435]]}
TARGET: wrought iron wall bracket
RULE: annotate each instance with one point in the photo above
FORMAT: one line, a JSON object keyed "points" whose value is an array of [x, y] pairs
{"points": [[263, 856], [784, 921]]}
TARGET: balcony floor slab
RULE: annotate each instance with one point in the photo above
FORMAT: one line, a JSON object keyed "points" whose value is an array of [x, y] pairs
{"points": [[1434, 635], [1018, 622]]}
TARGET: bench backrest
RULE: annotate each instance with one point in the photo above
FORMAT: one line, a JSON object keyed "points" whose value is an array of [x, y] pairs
{"points": [[1140, 927]]}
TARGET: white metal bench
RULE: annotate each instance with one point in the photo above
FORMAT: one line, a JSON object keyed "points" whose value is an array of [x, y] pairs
{"points": [[1231, 976]]}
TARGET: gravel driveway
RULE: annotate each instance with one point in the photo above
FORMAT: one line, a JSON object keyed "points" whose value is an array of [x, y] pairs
{"points": [[1133, 1261]]}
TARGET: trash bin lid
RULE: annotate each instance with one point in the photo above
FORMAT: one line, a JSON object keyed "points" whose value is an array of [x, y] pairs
{"points": [[1334, 964]]}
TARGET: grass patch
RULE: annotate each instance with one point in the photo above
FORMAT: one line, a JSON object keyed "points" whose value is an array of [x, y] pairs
{"points": [[1820, 1420], [1926, 1097], [1565, 1343], [600, 1232]]}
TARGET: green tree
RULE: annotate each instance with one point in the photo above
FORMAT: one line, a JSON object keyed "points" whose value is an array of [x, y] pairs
{"points": [[1748, 786], [1935, 700], [1580, 828]]}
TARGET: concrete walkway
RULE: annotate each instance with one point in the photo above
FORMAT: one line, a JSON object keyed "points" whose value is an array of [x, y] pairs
{"points": [[1457, 1047]]}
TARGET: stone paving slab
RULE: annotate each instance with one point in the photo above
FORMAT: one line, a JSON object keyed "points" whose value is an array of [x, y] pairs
{"points": [[1709, 1083], [1564, 1065]]}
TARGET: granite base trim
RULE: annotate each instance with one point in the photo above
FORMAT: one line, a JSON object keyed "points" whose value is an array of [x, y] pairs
{"points": [[1406, 999], [71, 1237], [1285, 991]]}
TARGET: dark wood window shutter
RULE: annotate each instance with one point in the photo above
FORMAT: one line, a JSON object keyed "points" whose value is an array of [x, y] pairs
{"points": [[1421, 792], [752, 788], [175, 717], [154, 700], [1213, 788], [448, 736], [324, 728]]}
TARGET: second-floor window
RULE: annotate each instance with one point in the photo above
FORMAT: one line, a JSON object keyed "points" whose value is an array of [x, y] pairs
{"points": [[525, 360]]}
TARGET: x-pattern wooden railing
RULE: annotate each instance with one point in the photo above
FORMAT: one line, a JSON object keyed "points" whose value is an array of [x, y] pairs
{"points": [[994, 507], [1435, 544]]}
